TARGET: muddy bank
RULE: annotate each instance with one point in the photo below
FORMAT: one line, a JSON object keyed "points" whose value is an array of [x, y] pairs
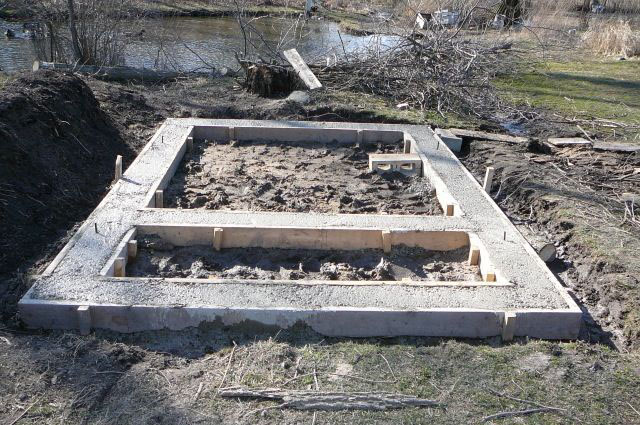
{"points": [[295, 177], [157, 258], [572, 197]]}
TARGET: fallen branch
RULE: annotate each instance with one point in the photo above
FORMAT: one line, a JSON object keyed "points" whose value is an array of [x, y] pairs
{"points": [[539, 408], [329, 401], [526, 412]]}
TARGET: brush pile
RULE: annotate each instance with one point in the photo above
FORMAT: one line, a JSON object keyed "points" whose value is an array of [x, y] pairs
{"points": [[436, 70]]}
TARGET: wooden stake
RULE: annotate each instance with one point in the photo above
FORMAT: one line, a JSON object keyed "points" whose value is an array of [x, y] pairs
{"points": [[488, 179], [132, 250], [118, 167], [189, 144], [84, 319], [509, 326], [232, 133], [474, 256], [359, 137], [490, 277], [450, 210], [119, 267], [386, 241], [407, 146], [217, 239], [159, 199]]}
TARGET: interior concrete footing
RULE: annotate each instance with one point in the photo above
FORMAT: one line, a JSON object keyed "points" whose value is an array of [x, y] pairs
{"points": [[86, 286]]}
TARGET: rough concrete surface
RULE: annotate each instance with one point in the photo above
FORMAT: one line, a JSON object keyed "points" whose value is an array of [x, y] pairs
{"points": [[544, 308]]}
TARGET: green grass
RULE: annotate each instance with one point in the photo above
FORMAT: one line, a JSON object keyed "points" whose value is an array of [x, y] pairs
{"points": [[590, 89]]}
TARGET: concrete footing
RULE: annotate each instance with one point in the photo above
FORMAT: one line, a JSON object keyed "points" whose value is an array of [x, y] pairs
{"points": [[87, 287]]}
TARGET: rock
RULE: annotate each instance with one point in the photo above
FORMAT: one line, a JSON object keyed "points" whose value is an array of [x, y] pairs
{"points": [[299, 96]]}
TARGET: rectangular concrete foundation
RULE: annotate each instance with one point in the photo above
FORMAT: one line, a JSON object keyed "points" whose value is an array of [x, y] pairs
{"points": [[86, 286]]}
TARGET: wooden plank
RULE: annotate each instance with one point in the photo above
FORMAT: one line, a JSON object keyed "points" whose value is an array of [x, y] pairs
{"points": [[488, 179], [616, 147], [301, 68], [488, 136], [568, 141]]}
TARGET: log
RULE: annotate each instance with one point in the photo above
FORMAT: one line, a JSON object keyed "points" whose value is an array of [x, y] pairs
{"points": [[481, 135], [120, 73], [329, 401]]}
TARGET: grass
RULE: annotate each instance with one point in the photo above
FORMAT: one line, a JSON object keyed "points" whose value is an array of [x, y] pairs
{"points": [[592, 384], [381, 110], [4, 78], [589, 89]]}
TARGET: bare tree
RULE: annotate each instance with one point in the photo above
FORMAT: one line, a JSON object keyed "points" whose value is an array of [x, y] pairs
{"points": [[75, 45]]}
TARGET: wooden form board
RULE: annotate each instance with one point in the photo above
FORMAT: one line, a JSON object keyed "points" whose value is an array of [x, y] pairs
{"points": [[481, 135], [301, 68], [304, 238]]}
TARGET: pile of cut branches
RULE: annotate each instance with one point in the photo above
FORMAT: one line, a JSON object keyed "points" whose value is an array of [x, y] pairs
{"points": [[438, 70]]}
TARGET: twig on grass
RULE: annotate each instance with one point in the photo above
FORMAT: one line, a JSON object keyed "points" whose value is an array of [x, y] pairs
{"points": [[233, 350], [24, 412], [526, 412], [540, 408]]}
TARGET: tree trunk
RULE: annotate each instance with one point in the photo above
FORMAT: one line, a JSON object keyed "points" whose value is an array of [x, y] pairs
{"points": [[267, 80], [77, 53]]}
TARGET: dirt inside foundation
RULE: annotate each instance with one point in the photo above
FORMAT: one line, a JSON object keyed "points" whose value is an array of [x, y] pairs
{"points": [[158, 258], [296, 177]]}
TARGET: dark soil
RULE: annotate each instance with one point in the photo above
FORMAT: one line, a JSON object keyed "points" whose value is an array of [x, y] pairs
{"points": [[56, 162], [156, 258], [573, 198], [297, 177]]}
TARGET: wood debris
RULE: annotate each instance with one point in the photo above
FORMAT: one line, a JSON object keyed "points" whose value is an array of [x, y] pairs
{"points": [[329, 401]]}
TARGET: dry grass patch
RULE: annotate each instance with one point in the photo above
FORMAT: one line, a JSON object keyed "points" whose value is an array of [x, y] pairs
{"points": [[612, 38]]}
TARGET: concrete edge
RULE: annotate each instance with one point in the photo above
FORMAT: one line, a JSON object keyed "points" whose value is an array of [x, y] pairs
{"points": [[338, 322]]}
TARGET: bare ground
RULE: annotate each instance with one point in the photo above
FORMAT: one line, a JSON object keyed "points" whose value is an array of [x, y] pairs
{"points": [[172, 377], [297, 177], [157, 258]]}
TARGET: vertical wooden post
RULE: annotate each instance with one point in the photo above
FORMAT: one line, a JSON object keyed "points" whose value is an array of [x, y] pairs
{"points": [[407, 145], [118, 174], [450, 210], [84, 319], [159, 199], [386, 241], [119, 267], [189, 144], [232, 133], [217, 239], [132, 250], [509, 326], [474, 256], [488, 179]]}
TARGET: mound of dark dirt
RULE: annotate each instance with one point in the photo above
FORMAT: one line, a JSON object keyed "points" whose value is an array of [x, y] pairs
{"points": [[57, 158]]}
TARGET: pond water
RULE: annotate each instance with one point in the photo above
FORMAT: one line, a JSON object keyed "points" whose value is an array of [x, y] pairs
{"points": [[192, 43]]}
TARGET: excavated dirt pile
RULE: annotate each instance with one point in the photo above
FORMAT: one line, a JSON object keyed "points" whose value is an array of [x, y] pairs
{"points": [[57, 157]]}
